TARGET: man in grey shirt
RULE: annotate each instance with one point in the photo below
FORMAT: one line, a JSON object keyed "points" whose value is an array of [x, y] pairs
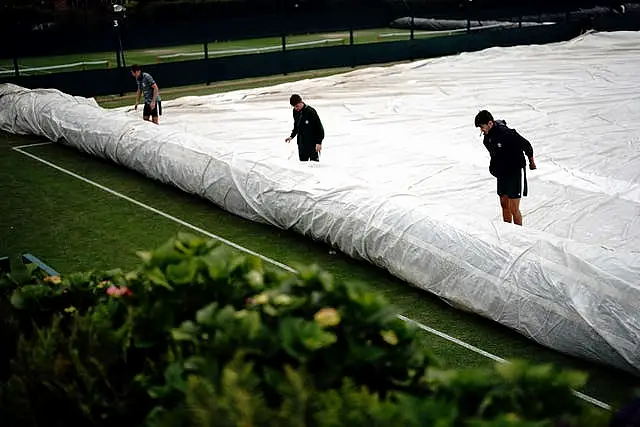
{"points": [[148, 87]]}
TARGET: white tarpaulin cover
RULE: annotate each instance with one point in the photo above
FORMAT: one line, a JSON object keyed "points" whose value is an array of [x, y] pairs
{"points": [[403, 179]]}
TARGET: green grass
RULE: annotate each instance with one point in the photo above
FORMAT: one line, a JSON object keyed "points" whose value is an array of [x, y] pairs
{"points": [[196, 51], [75, 226]]}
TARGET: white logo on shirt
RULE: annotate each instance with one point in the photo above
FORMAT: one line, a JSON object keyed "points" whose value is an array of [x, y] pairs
{"points": [[499, 145], [306, 122]]}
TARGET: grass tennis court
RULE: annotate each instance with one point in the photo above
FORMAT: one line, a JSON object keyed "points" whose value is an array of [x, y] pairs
{"points": [[70, 210], [102, 60]]}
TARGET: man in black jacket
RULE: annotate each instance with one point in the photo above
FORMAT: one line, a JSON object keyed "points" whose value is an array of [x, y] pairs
{"points": [[308, 127], [506, 148]]}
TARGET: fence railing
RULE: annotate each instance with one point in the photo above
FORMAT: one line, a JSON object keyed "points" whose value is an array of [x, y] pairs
{"points": [[246, 65]]}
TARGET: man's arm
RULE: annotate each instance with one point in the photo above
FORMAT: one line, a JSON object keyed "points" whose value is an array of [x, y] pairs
{"points": [[294, 131], [319, 127], [319, 134], [138, 93], [485, 142], [155, 95], [525, 146]]}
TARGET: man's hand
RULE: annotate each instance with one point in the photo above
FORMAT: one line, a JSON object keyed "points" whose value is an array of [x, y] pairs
{"points": [[318, 147], [152, 106], [288, 140], [135, 108], [532, 163]]}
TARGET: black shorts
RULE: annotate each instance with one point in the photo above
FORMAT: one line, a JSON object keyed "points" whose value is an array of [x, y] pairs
{"points": [[510, 185], [147, 111], [308, 152]]}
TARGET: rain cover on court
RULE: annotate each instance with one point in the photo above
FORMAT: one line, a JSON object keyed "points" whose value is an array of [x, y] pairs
{"points": [[403, 179]]}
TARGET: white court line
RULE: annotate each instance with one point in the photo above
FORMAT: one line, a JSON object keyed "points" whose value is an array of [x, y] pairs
{"points": [[499, 359], [425, 328], [33, 145], [57, 67], [252, 49]]}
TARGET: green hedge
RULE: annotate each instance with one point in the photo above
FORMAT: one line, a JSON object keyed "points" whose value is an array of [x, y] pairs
{"points": [[200, 336]]}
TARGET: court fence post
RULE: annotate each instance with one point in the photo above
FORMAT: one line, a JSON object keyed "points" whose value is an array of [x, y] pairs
{"points": [[16, 67]]}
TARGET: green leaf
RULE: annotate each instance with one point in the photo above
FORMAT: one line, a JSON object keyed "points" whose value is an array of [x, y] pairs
{"points": [[188, 331], [195, 363], [226, 317], [112, 273], [189, 242], [79, 279], [575, 379], [217, 263], [184, 272], [157, 392], [540, 372], [207, 315], [287, 331], [165, 255], [255, 279], [252, 324], [326, 279], [174, 377], [17, 300], [270, 310], [145, 256], [314, 337], [157, 277], [318, 341]]}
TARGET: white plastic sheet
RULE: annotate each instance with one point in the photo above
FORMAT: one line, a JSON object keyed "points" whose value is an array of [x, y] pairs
{"points": [[403, 179]]}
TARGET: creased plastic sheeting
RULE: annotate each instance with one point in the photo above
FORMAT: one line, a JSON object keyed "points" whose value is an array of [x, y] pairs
{"points": [[403, 179], [431, 24]]}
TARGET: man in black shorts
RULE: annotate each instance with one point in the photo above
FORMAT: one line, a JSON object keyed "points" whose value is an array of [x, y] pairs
{"points": [[506, 148], [149, 88]]}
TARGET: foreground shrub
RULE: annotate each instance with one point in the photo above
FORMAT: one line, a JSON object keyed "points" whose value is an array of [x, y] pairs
{"points": [[198, 335]]}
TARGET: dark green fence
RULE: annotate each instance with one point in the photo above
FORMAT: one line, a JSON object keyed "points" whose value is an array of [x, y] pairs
{"points": [[183, 73]]}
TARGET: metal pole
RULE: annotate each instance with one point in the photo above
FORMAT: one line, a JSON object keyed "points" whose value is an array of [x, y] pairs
{"points": [[120, 49], [119, 12], [413, 23], [124, 63], [206, 57], [283, 37], [116, 25], [118, 58], [352, 11], [16, 67]]}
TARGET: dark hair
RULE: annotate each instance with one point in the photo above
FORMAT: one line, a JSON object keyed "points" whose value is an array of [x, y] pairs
{"points": [[483, 118], [295, 100], [135, 67]]}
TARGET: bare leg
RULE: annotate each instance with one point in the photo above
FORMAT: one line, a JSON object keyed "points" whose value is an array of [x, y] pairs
{"points": [[506, 211], [154, 119], [145, 118], [514, 209]]}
